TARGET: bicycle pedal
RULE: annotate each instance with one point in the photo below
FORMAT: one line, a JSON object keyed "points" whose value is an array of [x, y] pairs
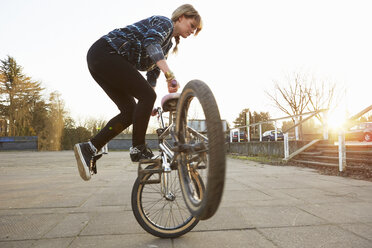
{"points": [[143, 172], [150, 161], [151, 181], [156, 169]]}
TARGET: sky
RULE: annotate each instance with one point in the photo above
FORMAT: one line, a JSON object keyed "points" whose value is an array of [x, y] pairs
{"points": [[245, 46]]}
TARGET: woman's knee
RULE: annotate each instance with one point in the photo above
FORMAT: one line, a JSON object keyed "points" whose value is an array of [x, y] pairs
{"points": [[152, 95], [148, 96], [126, 111]]}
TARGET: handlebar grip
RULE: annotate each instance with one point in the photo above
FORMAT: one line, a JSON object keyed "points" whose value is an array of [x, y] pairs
{"points": [[174, 83]]}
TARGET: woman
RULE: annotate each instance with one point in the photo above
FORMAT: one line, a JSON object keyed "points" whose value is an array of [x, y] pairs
{"points": [[114, 61]]}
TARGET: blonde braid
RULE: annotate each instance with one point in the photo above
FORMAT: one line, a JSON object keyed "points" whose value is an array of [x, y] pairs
{"points": [[175, 49]]}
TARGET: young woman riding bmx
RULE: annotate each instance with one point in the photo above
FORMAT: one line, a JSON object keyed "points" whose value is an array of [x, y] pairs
{"points": [[114, 62]]}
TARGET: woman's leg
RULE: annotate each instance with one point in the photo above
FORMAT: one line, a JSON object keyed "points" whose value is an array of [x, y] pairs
{"points": [[118, 123], [121, 82]]}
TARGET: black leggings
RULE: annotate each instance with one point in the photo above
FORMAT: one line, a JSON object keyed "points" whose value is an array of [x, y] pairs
{"points": [[122, 83]]}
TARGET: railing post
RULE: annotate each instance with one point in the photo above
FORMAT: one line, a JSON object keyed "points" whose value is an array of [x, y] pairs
{"points": [[341, 151], [286, 146], [276, 130], [248, 122], [238, 135], [296, 128], [260, 127], [231, 134], [325, 125]]}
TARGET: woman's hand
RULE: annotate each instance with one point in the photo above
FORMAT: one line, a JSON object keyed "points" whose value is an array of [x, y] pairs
{"points": [[171, 80], [173, 85]]}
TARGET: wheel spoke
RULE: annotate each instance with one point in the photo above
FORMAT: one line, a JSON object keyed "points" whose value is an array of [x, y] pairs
{"points": [[165, 214]]}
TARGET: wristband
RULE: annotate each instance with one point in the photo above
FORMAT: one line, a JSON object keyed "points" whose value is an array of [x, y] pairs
{"points": [[169, 75]]}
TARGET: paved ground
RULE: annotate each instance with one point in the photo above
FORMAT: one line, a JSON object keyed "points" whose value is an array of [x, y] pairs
{"points": [[44, 203]]}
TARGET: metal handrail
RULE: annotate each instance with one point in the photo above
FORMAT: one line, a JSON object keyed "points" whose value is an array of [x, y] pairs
{"points": [[307, 118], [312, 114], [353, 119]]}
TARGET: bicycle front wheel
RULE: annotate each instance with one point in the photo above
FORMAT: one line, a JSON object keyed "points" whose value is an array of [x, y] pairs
{"points": [[200, 137], [164, 216]]}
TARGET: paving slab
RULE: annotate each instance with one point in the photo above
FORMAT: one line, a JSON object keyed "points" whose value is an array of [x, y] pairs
{"points": [[21, 227], [227, 238], [357, 212], [17, 244], [108, 223], [70, 226], [329, 236], [279, 216], [128, 241], [44, 203]]}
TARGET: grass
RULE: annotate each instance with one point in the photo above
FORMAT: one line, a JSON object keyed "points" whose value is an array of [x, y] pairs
{"points": [[260, 158]]}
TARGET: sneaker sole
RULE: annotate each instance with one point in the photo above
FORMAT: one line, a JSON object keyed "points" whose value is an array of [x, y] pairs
{"points": [[137, 157], [134, 157], [82, 167]]}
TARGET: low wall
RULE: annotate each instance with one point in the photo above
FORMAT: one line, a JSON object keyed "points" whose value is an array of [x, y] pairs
{"points": [[256, 148], [18, 143], [124, 142], [121, 142]]}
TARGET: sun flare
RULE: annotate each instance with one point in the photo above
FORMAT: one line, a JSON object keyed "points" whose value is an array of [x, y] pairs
{"points": [[336, 119]]}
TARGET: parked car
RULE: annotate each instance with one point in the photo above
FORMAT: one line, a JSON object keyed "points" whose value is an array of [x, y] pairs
{"points": [[360, 132], [243, 137], [270, 135]]}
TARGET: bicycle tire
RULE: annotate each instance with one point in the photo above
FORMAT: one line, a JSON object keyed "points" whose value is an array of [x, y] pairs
{"points": [[150, 222], [205, 207]]}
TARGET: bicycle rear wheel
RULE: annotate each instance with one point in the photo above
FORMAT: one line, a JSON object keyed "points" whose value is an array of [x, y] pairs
{"points": [[164, 217], [205, 154]]}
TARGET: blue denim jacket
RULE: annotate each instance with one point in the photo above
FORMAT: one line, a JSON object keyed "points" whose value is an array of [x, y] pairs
{"points": [[144, 43]]}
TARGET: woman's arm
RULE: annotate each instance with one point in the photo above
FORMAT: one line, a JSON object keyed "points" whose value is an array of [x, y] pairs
{"points": [[172, 82], [163, 66]]}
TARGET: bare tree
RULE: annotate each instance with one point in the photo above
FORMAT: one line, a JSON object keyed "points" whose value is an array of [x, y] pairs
{"points": [[291, 98], [323, 95], [303, 92]]}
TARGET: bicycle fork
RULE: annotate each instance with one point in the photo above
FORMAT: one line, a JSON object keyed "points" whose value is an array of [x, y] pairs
{"points": [[166, 181]]}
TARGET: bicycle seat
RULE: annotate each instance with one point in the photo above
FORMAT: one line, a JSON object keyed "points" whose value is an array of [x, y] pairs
{"points": [[169, 102]]}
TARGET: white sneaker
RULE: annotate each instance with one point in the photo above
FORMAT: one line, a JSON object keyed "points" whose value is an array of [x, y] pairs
{"points": [[140, 152]]}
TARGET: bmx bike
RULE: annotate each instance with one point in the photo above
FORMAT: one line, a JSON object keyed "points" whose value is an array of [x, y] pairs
{"points": [[184, 183]]}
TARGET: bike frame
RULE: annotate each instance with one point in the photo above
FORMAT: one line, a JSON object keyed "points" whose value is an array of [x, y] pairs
{"points": [[167, 152], [167, 155]]}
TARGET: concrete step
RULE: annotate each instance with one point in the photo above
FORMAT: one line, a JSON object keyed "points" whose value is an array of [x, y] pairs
{"points": [[322, 146], [325, 153], [326, 146], [348, 153], [311, 153], [323, 158], [314, 163]]}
